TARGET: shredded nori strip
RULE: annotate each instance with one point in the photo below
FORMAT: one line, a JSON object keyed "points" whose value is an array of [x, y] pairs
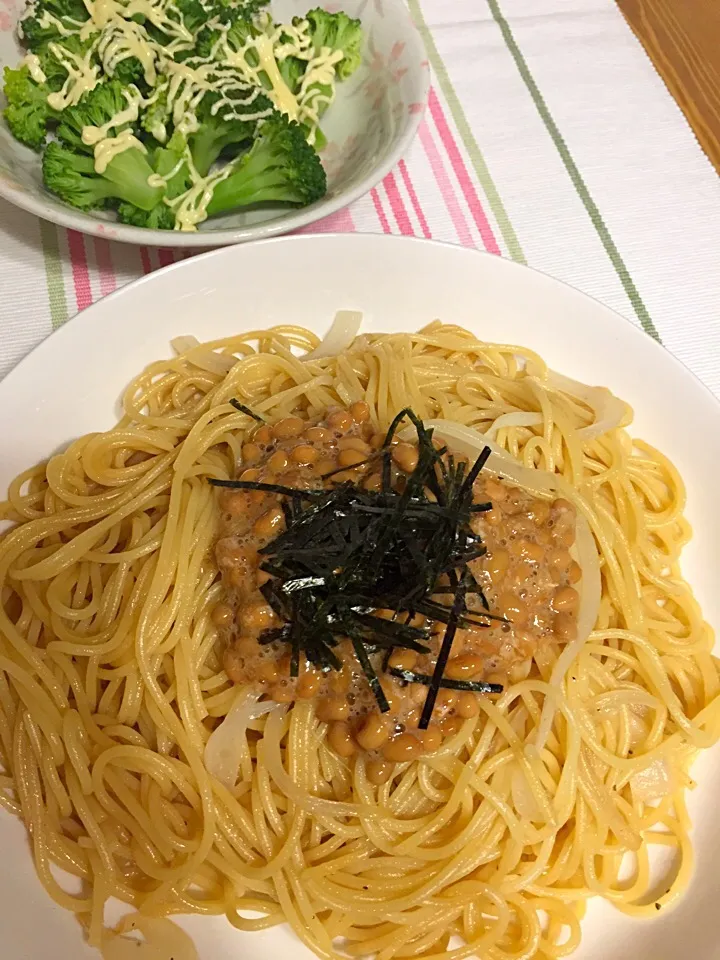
{"points": [[246, 410], [347, 553], [436, 679], [375, 685]]}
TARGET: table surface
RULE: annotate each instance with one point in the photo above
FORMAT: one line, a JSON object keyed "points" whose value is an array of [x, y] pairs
{"points": [[682, 38], [549, 138]]}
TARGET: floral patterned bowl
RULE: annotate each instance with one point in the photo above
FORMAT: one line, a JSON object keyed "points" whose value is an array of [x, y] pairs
{"points": [[368, 127]]}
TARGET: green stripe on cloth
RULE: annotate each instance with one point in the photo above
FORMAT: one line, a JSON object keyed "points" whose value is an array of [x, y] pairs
{"points": [[471, 145], [53, 274], [574, 174]]}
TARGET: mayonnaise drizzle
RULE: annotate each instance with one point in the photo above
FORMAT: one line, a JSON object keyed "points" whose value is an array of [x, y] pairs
{"points": [[123, 39], [191, 207], [319, 74], [109, 148], [92, 134], [32, 62], [158, 180], [283, 96], [82, 76], [46, 19]]}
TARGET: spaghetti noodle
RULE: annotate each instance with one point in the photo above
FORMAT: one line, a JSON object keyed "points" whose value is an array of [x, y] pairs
{"points": [[112, 679]]}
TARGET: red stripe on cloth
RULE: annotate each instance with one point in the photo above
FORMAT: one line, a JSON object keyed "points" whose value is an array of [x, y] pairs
{"points": [[410, 187], [462, 228], [461, 172], [339, 222], [377, 203], [397, 206], [106, 269], [145, 260], [165, 256], [80, 273]]}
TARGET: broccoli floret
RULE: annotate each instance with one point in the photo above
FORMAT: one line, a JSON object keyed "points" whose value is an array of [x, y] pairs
{"points": [[72, 177], [51, 56], [94, 109], [161, 217], [205, 40], [240, 27], [168, 161], [248, 8], [116, 40], [27, 113], [220, 130], [281, 167], [157, 116], [292, 70], [46, 20], [171, 158], [243, 28], [127, 71], [337, 31], [192, 13]]}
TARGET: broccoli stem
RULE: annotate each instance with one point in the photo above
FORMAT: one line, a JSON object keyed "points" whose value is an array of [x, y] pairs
{"points": [[257, 180], [207, 145], [281, 167], [72, 176], [129, 171]]}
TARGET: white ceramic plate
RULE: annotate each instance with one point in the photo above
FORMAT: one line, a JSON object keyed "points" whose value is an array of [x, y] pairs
{"points": [[71, 384], [369, 127]]}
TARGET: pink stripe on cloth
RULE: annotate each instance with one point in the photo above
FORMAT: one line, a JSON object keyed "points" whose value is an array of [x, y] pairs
{"points": [[145, 260], [446, 189], [461, 172], [106, 270], [410, 187], [165, 256], [339, 222], [398, 206], [377, 203], [81, 275]]}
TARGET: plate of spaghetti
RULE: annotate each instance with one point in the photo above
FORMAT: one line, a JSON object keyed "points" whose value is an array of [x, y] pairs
{"points": [[344, 613]]}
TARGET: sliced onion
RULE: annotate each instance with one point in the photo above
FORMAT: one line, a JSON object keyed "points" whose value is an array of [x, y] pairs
{"points": [[602, 802], [637, 729], [228, 742], [182, 344], [610, 412], [585, 553], [608, 702], [343, 330], [470, 442], [518, 418], [204, 359], [652, 782]]}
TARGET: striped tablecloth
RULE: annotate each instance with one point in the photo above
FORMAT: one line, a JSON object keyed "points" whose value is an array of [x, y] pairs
{"points": [[549, 139]]}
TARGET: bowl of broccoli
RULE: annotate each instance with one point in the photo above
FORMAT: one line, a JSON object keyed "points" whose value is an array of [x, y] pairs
{"points": [[198, 123]]}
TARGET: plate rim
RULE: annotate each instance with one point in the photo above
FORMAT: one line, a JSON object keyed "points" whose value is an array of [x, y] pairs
{"points": [[91, 323], [232, 250]]}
